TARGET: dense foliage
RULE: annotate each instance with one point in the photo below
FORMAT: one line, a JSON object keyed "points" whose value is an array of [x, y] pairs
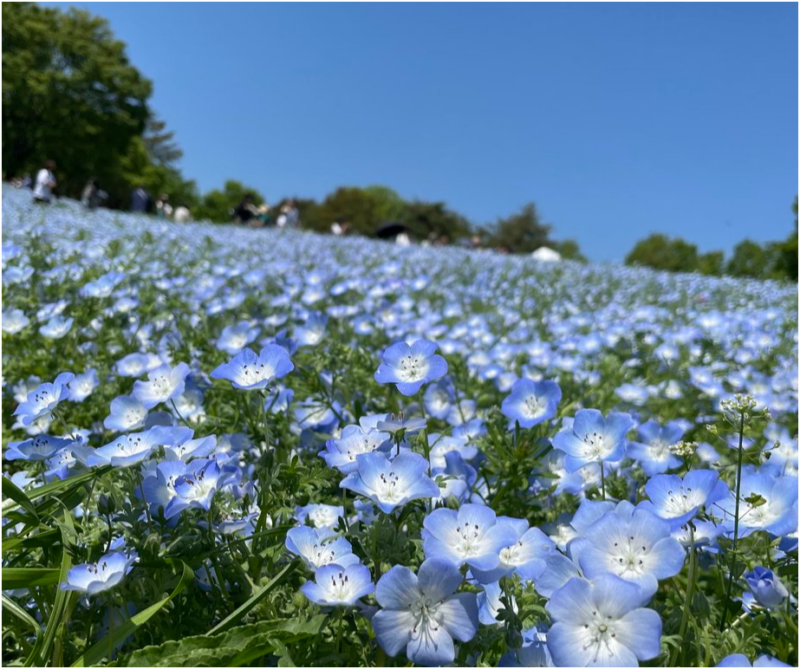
{"points": [[230, 447]]}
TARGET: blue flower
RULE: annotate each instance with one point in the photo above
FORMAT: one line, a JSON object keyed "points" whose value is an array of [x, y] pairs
{"points": [[320, 515], [601, 623], [159, 486], [470, 536], [101, 576], [739, 660], [410, 366], [320, 547], [38, 448], [235, 337], [678, 500], [339, 586], [81, 386], [631, 543], [127, 413], [591, 438], [531, 402], [43, 400], [532, 653], [56, 327], [526, 557], [130, 449], [248, 371], [163, 384], [341, 453], [196, 489], [775, 512], [652, 451], [489, 603], [766, 587], [422, 614], [391, 483]]}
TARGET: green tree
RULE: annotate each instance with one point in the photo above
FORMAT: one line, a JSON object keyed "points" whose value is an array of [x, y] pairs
{"points": [[160, 142], [570, 250], [216, 205], [433, 220], [660, 252], [522, 232], [70, 94], [749, 260], [712, 263], [364, 210]]}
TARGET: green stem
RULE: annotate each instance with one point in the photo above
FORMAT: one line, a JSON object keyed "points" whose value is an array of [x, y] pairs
{"points": [[603, 479], [687, 605], [735, 524]]}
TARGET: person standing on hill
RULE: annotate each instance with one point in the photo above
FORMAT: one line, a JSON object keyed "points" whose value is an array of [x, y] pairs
{"points": [[45, 183]]}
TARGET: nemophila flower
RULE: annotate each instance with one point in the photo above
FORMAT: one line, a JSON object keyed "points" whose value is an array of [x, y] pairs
{"points": [[335, 585], [82, 385], [739, 660], [14, 320], [705, 535], [197, 487], [558, 571], [136, 364], [767, 503], [400, 424], [341, 453], [531, 402], [456, 479], [439, 398], [319, 515], [442, 445], [490, 604], [653, 448], [312, 331], [768, 590], [56, 328], [411, 366], [678, 500], [532, 653], [39, 448], [248, 371], [98, 577], [163, 384], [423, 614], [592, 438], [131, 449], [127, 413], [235, 337], [159, 486], [526, 557], [391, 483], [44, 399], [469, 536], [191, 448], [319, 547], [602, 623], [631, 543]]}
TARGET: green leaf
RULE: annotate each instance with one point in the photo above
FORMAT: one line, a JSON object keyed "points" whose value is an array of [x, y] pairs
{"points": [[240, 646], [39, 540], [12, 491], [15, 609], [100, 649], [66, 486], [54, 620], [28, 577], [251, 603]]}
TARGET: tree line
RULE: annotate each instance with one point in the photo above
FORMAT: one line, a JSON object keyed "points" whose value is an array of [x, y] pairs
{"points": [[70, 94]]}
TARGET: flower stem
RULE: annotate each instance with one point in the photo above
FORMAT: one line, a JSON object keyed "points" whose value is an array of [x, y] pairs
{"points": [[603, 479], [735, 523], [687, 605]]}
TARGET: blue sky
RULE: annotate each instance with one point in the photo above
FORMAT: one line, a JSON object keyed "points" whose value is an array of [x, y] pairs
{"points": [[617, 119]]}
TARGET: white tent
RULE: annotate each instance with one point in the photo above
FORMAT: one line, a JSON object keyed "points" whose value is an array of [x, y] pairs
{"points": [[546, 254]]}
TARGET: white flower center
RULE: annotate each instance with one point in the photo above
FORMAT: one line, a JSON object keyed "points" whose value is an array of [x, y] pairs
{"points": [[599, 633], [412, 368], [595, 447], [470, 540], [629, 556]]}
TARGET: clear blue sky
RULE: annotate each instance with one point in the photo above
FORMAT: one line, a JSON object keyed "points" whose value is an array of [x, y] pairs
{"points": [[616, 119]]}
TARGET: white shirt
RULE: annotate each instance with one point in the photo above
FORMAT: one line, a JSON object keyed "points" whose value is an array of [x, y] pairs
{"points": [[43, 190]]}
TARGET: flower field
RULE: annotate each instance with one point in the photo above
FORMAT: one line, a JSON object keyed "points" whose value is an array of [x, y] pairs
{"points": [[236, 447]]}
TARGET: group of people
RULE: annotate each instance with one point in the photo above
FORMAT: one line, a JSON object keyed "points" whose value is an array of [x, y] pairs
{"points": [[247, 212]]}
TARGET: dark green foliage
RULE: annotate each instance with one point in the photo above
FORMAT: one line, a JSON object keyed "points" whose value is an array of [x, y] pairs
{"points": [[661, 252], [216, 205], [523, 232]]}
